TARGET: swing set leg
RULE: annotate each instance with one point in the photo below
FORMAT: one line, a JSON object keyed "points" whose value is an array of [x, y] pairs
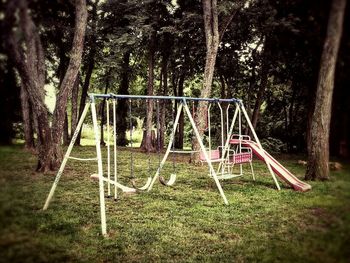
{"points": [[66, 156], [211, 168]]}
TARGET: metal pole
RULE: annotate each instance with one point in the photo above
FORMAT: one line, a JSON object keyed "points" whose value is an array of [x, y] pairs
{"points": [[108, 153], [66, 156], [260, 146], [115, 150], [240, 138], [222, 134], [227, 119], [209, 131], [100, 170], [212, 171], [222, 124], [171, 140], [222, 164], [115, 96]]}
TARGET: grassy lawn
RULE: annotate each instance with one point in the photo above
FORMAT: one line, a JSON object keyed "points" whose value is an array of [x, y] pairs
{"points": [[187, 222]]}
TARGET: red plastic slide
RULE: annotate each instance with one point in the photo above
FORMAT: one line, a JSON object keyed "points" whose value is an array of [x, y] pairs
{"points": [[279, 169]]}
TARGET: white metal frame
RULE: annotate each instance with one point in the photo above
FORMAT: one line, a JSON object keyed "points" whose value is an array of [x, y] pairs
{"points": [[182, 106]]}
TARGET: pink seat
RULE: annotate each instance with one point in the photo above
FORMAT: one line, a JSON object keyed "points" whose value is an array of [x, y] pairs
{"points": [[213, 155], [242, 157]]}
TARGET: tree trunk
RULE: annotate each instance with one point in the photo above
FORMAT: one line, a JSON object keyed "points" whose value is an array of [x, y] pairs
{"points": [[318, 144], [90, 66], [212, 39], [122, 106], [28, 57], [65, 130], [164, 92], [148, 144], [27, 120], [102, 110], [69, 79], [264, 73], [84, 92], [224, 105], [74, 102]]}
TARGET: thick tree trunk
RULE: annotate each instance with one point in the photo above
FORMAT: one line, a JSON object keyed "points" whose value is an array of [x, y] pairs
{"points": [[318, 143], [74, 105], [69, 78], [212, 39], [90, 65], [147, 143], [84, 91], [27, 120], [122, 106], [28, 57]]}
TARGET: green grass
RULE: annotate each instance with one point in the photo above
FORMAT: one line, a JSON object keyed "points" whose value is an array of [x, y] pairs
{"points": [[184, 223], [87, 138]]}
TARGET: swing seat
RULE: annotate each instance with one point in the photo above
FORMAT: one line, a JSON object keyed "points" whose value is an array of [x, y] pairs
{"points": [[246, 156], [240, 158], [214, 156], [124, 188], [170, 182], [145, 187]]}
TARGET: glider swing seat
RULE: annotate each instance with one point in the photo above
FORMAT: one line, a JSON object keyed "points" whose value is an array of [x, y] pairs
{"points": [[226, 155]]}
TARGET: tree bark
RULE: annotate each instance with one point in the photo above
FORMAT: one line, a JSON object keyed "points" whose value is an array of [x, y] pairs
{"points": [[74, 106], [212, 40], [318, 143], [122, 106], [102, 110], [30, 63], [28, 57], [264, 74], [90, 66], [29, 143], [65, 130], [84, 91], [164, 92], [147, 143]]}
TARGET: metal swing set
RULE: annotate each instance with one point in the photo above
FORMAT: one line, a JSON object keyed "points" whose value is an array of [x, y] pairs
{"points": [[235, 149]]}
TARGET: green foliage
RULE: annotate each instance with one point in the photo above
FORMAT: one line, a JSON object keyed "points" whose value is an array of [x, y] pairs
{"points": [[273, 145], [185, 223], [286, 36]]}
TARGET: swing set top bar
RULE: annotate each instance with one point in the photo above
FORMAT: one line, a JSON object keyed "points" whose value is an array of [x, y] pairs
{"points": [[94, 96]]}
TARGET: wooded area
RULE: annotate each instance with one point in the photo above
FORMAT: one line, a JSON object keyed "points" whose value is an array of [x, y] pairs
{"points": [[287, 61]]}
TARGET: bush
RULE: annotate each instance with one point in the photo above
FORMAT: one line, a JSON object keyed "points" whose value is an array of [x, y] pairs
{"points": [[274, 145]]}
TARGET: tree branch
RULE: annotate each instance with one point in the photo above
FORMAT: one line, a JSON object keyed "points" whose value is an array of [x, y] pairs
{"points": [[227, 20]]}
